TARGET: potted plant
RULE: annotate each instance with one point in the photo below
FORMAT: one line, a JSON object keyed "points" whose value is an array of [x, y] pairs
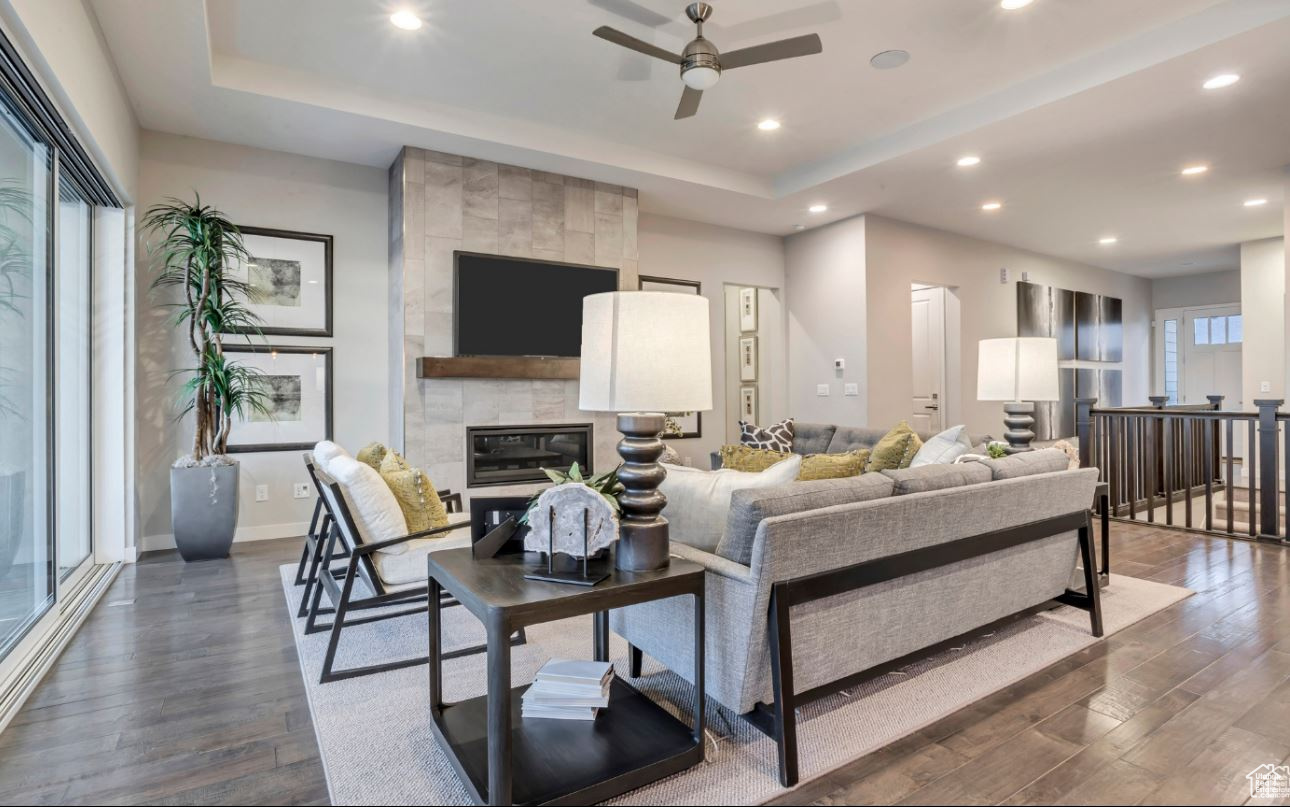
{"points": [[193, 247]]}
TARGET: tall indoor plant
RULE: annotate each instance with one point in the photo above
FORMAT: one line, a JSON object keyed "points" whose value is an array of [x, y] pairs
{"points": [[193, 248]]}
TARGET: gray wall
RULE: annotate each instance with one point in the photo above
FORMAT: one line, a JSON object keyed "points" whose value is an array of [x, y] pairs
{"points": [[443, 202], [1209, 288], [284, 191]]}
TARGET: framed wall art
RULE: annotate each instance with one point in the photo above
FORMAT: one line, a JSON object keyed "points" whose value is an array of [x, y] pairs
{"points": [[682, 425], [648, 283], [748, 404], [747, 310], [291, 276], [747, 358], [298, 381]]}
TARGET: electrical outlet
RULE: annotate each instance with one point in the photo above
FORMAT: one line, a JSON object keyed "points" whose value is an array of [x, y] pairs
{"points": [[822, 390], [261, 493], [686, 461], [1265, 386], [301, 490], [851, 390], [1003, 274]]}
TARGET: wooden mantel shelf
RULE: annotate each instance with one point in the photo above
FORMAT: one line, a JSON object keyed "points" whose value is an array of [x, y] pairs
{"points": [[495, 367]]}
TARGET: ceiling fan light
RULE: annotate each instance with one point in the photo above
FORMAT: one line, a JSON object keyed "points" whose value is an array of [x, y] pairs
{"points": [[701, 78]]}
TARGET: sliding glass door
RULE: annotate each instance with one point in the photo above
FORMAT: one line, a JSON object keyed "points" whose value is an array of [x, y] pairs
{"points": [[27, 559], [72, 339]]}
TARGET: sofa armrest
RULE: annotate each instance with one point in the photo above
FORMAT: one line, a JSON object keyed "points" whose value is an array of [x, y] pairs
{"points": [[715, 564]]}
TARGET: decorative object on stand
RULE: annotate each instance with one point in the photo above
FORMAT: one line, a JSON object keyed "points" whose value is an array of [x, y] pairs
{"points": [[192, 248], [674, 285], [296, 383], [1018, 371], [748, 403], [747, 358], [644, 353], [290, 276], [576, 518], [747, 310], [683, 425]]}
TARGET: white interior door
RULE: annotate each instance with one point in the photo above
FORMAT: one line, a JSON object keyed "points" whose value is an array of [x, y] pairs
{"points": [[1211, 339], [928, 365]]}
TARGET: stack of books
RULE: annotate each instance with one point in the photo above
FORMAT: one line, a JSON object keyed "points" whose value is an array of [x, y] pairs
{"points": [[566, 689]]}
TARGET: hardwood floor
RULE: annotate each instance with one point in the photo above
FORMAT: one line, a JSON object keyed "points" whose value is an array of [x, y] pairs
{"points": [[191, 694]]}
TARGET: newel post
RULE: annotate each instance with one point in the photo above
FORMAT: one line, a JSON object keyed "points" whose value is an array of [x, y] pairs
{"points": [[1158, 401], [1215, 402], [1084, 430], [1267, 460]]}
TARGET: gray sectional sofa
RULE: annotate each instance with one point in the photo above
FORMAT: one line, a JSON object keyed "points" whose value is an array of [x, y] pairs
{"points": [[818, 584], [826, 438]]}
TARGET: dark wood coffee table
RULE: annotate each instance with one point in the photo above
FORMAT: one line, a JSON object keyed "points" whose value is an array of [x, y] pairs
{"points": [[503, 758]]}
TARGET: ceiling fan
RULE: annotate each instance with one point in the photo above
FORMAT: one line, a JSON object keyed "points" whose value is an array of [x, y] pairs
{"points": [[701, 63]]}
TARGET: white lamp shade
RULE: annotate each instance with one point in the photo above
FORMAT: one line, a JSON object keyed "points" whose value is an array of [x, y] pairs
{"points": [[645, 351], [1017, 369]]}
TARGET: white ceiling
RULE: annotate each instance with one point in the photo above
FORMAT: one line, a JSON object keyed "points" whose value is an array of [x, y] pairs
{"points": [[1082, 110]]}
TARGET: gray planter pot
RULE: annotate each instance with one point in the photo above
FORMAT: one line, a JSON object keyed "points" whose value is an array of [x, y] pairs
{"points": [[203, 510]]}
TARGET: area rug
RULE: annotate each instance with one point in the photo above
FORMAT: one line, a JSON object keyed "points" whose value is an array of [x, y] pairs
{"points": [[377, 748]]}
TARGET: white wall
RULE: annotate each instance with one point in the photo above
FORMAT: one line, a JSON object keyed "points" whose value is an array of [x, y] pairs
{"points": [[1263, 288], [284, 191], [716, 256], [1185, 291], [826, 302], [899, 254]]}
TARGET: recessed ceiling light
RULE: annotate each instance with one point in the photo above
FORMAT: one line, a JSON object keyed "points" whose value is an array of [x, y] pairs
{"points": [[1108, 241], [1193, 170], [1221, 80], [889, 59], [818, 208], [1256, 202], [799, 226], [969, 161], [405, 20], [991, 206], [768, 125], [1013, 5]]}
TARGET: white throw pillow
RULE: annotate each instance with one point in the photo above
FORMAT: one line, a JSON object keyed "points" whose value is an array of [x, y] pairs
{"points": [[698, 502], [943, 448], [375, 510], [325, 452]]}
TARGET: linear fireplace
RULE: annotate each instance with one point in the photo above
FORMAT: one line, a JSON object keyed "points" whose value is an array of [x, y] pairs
{"points": [[509, 455]]}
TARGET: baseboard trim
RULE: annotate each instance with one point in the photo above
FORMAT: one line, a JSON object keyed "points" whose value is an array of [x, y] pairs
{"points": [[40, 659], [259, 532]]}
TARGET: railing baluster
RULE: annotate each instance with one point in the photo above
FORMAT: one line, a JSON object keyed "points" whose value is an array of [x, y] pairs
{"points": [[1230, 487], [1207, 467], [1187, 462], [1167, 470], [1148, 428], [1114, 462], [1251, 459], [1134, 468]]}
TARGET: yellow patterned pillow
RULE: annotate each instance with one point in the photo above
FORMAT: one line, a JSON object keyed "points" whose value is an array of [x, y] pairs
{"points": [[834, 466], [372, 454], [415, 493], [746, 458], [895, 450]]}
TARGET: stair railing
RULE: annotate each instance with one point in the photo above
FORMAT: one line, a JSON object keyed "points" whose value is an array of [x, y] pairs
{"points": [[1169, 464]]}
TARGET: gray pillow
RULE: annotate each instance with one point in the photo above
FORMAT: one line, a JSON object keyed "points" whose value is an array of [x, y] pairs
{"points": [[812, 438], [748, 508], [936, 477], [1044, 461]]}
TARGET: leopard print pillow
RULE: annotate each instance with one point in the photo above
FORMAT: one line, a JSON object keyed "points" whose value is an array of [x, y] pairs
{"points": [[777, 437]]}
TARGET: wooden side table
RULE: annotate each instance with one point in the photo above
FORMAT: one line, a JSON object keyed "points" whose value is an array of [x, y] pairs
{"points": [[503, 758]]}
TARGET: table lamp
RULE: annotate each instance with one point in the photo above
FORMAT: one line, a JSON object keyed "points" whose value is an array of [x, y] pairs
{"points": [[644, 354], [1019, 371]]}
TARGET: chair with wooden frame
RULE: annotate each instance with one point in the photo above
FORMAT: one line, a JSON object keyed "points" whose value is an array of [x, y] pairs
{"points": [[344, 539]]}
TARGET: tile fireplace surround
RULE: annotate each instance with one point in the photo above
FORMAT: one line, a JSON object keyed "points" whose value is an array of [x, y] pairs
{"points": [[440, 203]]}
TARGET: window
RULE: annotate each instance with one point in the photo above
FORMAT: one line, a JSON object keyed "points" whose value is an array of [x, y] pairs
{"points": [[1201, 327], [1171, 360], [1235, 330], [1220, 330], [72, 378]]}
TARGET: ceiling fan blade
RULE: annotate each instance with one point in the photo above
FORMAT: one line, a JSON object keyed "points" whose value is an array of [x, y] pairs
{"points": [[772, 51], [689, 103], [619, 38]]}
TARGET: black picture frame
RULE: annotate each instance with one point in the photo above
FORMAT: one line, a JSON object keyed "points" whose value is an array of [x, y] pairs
{"points": [[294, 235], [670, 281], [328, 397], [686, 435]]}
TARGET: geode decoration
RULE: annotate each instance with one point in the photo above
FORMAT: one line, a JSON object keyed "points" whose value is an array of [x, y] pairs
{"points": [[570, 503]]}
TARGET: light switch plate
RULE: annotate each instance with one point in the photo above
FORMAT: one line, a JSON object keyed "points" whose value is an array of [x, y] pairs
{"points": [[1265, 386], [851, 390], [1003, 274], [261, 493], [301, 490], [822, 390]]}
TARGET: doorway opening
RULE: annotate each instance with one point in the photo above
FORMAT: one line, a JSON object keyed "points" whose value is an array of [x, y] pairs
{"points": [[934, 362]]}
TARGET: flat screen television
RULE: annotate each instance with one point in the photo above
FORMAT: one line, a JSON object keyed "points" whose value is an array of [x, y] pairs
{"points": [[520, 307]]}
